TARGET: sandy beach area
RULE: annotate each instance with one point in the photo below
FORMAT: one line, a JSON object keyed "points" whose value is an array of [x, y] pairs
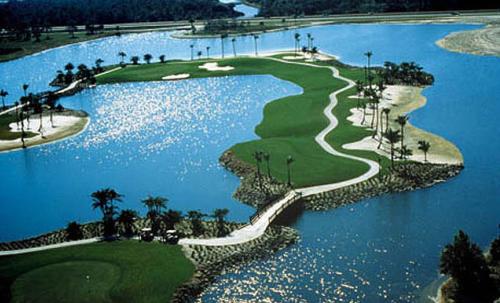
{"points": [[65, 125], [403, 100]]}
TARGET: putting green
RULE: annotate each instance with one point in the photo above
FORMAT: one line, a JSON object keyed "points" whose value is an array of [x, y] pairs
{"points": [[74, 281]]}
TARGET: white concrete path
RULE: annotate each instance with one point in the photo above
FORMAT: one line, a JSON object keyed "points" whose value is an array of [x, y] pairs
{"points": [[257, 229], [47, 247]]}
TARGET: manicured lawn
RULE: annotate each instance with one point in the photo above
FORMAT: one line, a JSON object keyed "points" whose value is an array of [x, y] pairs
{"points": [[5, 133], [15, 49], [124, 271]]}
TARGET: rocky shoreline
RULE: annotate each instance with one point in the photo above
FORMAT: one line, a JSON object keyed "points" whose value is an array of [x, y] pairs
{"points": [[403, 177], [211, 261]]}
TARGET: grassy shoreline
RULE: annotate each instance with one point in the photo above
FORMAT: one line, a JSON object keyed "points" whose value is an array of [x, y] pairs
{"points": [[30, 47]]}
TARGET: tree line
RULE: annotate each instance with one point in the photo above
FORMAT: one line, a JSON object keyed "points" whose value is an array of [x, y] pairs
{"points": [[314, 7], [121, 223], [15, 15]]}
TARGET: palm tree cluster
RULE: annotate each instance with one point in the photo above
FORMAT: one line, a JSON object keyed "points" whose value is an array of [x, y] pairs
{"points": [[34, 104], [405, 74], [160, 219], [373, 94], [259, 157], [83, 72]]}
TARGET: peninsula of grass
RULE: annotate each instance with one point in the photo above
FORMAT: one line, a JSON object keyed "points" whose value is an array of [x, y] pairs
{"points": [[289, 125], [124, 271]]}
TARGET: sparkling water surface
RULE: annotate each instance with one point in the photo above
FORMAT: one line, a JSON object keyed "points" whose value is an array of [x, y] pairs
{"points": [[384, 249]]}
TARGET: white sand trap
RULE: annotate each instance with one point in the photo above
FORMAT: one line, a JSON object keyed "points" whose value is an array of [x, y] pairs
{"points": [[176, 77], [61, 123], [214, 66], [298, 57]]}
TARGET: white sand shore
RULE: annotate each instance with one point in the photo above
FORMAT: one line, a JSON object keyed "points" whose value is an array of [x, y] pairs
{"points": [[214, 66], [485, 41], [176, 77], [64, 126], [403, 100]]}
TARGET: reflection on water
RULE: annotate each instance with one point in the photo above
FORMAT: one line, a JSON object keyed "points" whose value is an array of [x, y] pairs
{"points": [[160, 138], [381, 250]]}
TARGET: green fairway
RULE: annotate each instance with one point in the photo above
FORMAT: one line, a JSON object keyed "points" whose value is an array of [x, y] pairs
{"points": [[5, 131], [290, 124], [125, 271]]}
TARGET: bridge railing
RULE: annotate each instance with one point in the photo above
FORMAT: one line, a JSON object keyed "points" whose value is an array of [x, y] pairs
{"points": [[255, 217]]}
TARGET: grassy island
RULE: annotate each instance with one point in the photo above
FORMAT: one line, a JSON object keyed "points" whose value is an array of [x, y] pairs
{"points": [[290, 124]]}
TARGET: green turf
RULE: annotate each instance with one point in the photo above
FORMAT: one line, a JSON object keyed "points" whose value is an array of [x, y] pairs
{"points": [[289, 124], [5, 131], [16, 49], [125, 271]]}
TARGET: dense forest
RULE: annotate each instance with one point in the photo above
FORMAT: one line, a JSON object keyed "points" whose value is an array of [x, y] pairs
{"points": [[18, 14], [313, 7]]}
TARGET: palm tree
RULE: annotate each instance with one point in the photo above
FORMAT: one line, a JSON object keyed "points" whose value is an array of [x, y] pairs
{"points": [[424, 146], [147, 58], [393, 137], [255, 38], [104, 200], [170, 218], [51, 103], [289, 161], [297, 43], [222, 37], [195, 217], [359, 89], [127, 218], [208, 52], [363, 106], [219, 215], [308, 40], [3, 94], [233, 41], [98, 63], [155, 206], [69, 67], [401, 120], [192, 51], [369, 55], [405, 152], [386, 111], [25, 88], [267, 157], [23, 134], [199, 54], [134, 60], [162, 58], [258, 159], [122, 55]]}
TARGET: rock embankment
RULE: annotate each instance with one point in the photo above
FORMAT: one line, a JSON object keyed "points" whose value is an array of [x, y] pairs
{"points": [[253, 190], [211, 261], [404, 177]]}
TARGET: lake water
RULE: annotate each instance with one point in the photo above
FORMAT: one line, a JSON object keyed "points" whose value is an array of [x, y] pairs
{"points": [[384, 249], [248, 11]]}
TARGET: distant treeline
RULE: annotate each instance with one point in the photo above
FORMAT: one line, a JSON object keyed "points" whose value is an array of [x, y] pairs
{"points": [[42, 13], [314, 7]]}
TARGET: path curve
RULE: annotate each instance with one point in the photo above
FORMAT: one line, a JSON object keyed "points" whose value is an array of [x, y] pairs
{"points": [[253, 231]]}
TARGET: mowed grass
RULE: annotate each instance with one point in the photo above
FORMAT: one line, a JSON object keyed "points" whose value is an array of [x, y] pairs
{"points": [[289, 125], [124, 271], [15, 49], [5, 131]]}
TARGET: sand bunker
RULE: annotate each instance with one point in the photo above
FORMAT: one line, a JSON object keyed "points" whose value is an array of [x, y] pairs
{"points": [[176, 77], [402, 100], [214, 66]]}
